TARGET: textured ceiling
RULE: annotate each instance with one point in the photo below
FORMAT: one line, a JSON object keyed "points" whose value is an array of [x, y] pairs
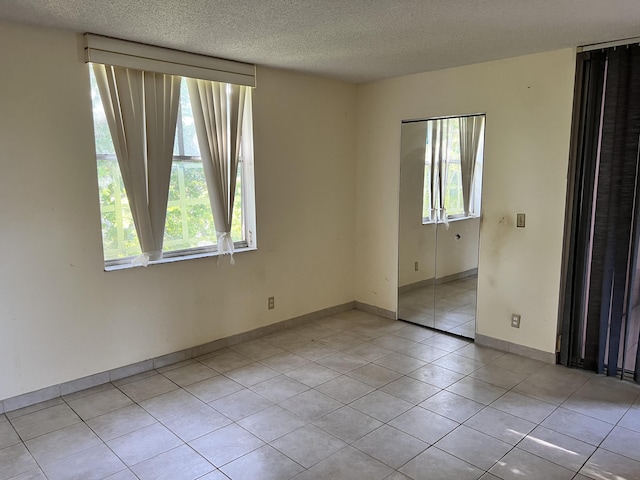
{"points": [[352, 40]]}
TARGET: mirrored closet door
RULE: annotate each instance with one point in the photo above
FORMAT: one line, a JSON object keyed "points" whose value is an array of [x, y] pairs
{"points": [[439, 229]]}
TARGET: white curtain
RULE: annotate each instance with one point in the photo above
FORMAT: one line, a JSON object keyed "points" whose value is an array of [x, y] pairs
{"points": [[470, 135], [218, 110], [141, 110], [433, 187], [440, 148]]}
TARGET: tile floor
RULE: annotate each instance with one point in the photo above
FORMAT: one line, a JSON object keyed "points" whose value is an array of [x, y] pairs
{"points": [[351, 396], [450, 307]]}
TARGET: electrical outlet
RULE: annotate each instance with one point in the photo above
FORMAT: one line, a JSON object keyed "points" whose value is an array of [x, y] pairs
{"points": [[520, 220], [415, 266], [515, 320], [271, 303]]}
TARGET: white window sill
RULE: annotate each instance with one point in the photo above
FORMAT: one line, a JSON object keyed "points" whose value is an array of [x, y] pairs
{"points": [[180, 258], [451, 219]]}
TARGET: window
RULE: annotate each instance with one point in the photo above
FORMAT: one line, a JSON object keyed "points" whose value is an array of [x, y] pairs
{"points": [[190, 187], [444, 180]]}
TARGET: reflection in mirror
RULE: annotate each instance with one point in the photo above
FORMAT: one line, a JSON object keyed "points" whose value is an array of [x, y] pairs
{"points": [[417, 240], [440, 195]]}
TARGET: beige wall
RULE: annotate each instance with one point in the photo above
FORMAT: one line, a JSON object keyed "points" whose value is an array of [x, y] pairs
{"points": [[528, 103], [327, 210], [62, 317]]}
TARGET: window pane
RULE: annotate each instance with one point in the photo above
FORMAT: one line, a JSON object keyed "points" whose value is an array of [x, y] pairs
{"points": [[119, 238], [189, 219], [453, 191], [104, 143], [200, 223], [186, 143], [173, 232], [237, 230], [453, 199], [195, 182]]}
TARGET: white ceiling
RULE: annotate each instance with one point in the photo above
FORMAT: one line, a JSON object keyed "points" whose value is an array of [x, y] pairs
{"points": [[352, 40]]}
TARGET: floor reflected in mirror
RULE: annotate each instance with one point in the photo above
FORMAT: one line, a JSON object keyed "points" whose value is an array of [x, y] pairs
{"points": [[452, 309]]}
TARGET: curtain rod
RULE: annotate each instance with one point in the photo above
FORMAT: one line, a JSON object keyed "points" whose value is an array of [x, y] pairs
{"points": [[614, 43]]}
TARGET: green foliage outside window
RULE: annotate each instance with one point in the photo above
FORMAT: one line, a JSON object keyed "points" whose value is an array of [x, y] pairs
{"points": [[453, 199], [189, 220], [119, 236]]}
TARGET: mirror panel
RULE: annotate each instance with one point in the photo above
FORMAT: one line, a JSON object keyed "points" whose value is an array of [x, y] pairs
{"points": [[417, 241], [457, 276], [440, 193]]}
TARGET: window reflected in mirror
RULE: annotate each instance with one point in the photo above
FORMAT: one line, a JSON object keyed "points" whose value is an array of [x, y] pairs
{"points": [[453, 168]]}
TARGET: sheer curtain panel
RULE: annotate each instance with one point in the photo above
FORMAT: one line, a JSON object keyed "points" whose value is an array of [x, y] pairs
{"points": [[218, 110], [141, 110], [435, 158], [441, 134], [470, 134]]}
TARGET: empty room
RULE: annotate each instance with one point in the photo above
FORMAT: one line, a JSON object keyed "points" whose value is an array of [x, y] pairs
{"points": [[319, 240]]}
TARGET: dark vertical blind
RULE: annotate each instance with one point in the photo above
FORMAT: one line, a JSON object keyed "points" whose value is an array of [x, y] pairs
{"points": [[598, 315], [590, 70]]}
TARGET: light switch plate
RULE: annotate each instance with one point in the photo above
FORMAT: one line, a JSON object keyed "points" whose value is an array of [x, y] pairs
{"points": [[520, 220]]}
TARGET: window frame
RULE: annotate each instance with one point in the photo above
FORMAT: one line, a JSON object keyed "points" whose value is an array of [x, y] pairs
{"points": [[123, 53], [247, 192]]}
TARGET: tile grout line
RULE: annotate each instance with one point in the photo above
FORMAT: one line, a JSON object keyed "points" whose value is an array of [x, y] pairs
{"points": [[375, 389]]}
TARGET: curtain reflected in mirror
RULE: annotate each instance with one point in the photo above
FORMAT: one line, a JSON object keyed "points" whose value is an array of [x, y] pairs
{"points": [[440, 198]]}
